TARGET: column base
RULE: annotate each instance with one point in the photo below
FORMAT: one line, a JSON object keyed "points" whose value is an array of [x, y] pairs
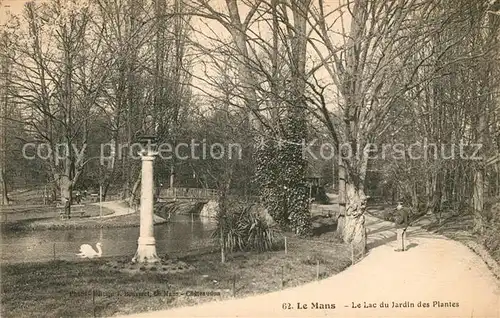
{"points": [[146, 251]]}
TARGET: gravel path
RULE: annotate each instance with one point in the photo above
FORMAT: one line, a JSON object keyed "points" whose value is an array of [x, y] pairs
{"points": [[117, 206], [120, 209], [438, 276]]}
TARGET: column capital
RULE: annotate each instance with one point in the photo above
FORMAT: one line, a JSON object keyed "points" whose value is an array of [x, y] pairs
{"points": [[148, 155]]}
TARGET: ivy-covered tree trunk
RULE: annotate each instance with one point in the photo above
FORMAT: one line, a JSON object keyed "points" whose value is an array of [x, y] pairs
{"points": [[294, 167], [272, 192], [281, 172], [285, 197]]}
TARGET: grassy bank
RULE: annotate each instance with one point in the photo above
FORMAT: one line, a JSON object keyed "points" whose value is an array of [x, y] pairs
{"points": [[14, 213], [64, 289], [41, 218]]}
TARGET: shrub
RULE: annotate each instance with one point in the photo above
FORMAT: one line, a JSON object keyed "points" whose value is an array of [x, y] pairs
{"points": [[491, 235], [244, 230]]}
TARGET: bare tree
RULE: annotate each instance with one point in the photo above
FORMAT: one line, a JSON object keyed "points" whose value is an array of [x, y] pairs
{"points": [[4, 106], [58, 78], [370, 62]]}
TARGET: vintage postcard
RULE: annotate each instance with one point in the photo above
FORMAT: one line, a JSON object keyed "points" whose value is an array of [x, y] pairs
{"points": [[250, 158]]}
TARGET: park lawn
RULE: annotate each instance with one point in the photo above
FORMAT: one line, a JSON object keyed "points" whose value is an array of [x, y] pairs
{"points": [[33, 196], [63, 289]]}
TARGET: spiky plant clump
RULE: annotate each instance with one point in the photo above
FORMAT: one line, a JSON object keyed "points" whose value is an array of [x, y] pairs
{"points": [[244, 230]]}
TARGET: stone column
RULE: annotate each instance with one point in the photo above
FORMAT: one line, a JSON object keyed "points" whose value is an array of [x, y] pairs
{"points": [[146, 249]]}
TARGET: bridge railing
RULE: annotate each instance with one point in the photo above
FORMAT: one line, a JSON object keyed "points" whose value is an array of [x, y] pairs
{"points": [[195, 193]]}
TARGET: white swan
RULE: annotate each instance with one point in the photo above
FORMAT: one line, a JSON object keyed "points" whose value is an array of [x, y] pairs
{"points": [[86, 251]]}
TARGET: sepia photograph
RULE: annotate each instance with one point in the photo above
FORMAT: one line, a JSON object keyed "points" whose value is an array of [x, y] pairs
{"points": [[250, 158]]}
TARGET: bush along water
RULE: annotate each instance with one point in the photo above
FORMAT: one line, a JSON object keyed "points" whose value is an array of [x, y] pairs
{"points": [[244, 229]]}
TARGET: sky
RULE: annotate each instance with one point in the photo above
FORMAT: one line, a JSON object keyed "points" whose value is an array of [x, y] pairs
{"points": [[216, 30], [14, 6]]}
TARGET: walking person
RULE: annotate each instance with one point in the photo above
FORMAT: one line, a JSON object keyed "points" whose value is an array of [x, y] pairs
{"points": [[78, 197], [401, 226]]}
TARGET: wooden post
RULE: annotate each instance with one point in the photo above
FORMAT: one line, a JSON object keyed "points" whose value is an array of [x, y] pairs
{"points": [[317, 269], [54, 250], [93, 303], [100, 201], [234, 285], [282, 277], [403, 240], [222, 246], [286, 246]]}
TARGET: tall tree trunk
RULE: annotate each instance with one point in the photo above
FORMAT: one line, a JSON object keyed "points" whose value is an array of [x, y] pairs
{"points": [[244, 69], [4, 199], [65, 188], [110, 177], [478, 187], [3, 186], [297, 128], [341, 199], [131, 99], [4, 103], [478, 199], [354, 225], [354, 230], [414, 195], [133, 194], [65, 193]]}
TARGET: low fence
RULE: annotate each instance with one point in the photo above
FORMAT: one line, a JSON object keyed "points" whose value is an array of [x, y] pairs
{"points": [[38, 250], [356, 253], [231, 285]]}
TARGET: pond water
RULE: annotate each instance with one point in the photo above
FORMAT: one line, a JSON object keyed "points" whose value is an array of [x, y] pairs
{"points": [[181, 234]]}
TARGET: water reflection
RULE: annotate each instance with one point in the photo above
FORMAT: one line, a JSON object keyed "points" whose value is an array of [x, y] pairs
{"points": [[182, 233]]}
